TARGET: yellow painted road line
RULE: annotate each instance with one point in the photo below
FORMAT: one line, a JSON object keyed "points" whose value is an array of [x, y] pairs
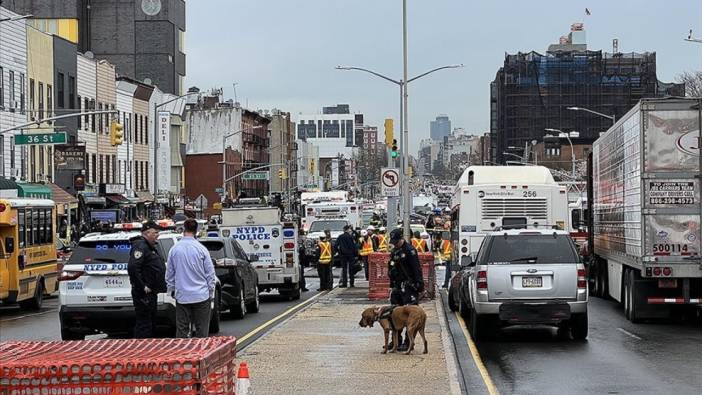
{"points": [[492, 390], [278, 317]]}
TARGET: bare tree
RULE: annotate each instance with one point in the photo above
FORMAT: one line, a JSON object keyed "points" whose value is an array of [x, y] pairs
{"points": [[693, 83]]}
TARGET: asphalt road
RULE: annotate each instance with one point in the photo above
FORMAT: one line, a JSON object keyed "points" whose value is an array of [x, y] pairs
{"points": [[16, 324], [617, 358]]}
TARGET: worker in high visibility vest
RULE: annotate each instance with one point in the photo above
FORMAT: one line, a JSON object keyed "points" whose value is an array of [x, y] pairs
{"points": [[418, 243], [366, 247], [382, 240], [445, 256], [324, 267]]}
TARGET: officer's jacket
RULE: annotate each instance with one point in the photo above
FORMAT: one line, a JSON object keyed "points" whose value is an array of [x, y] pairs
{"points": [[146, 267]]}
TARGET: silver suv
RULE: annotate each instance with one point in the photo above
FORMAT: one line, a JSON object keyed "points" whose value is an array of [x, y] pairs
{"points": [[525, 276]]}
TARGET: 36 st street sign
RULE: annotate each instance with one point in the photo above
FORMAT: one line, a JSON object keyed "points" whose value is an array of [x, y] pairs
{"points": [[40, 138], [255, 175]]}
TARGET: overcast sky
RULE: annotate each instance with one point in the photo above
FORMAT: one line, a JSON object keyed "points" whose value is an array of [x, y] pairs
{"points": [[282, 53]]}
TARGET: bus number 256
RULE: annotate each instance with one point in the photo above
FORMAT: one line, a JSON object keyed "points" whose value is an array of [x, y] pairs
{"points": [[528, 194]]}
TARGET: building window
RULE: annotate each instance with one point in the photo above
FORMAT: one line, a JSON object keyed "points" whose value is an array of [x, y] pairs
{"points": [[22, 93], [12, 154], [41, 161], [41, 100], [100, 170], [93, 169], [2, 88], [71, 92], [146, 131], [49, 101], [147, 176], [12, 89], [32, 105], [32, 162], [60, 90], [80, 119], [114, 169]]}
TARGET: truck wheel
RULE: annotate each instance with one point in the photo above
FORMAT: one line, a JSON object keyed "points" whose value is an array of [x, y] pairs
{"points": [[578, 326], [463, 308], [477, 325], [66, 334], [37, 300], [215, 318], [626, 295], [634, 296], [238, 311], [254, 305], [602, 279]]}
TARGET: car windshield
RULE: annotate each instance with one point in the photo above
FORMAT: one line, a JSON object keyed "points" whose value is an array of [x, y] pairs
{"points": [[334, 226], [110, 251], [216, 248], [525, 249]]}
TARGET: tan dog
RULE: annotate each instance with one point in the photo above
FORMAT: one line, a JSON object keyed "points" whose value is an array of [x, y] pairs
{"points": [[411, 317]]}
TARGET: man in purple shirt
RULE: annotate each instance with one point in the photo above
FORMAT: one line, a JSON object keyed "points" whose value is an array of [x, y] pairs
{"points": [[190, 277]]}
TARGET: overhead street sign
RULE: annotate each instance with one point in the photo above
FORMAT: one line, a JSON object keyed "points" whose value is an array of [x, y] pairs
{"points": [[41, 138], [255, 175], [390, 181]]}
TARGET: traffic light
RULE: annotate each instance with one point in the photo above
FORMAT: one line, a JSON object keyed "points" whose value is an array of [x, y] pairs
{"points": [[116, 133], [311, 166], [394, 152], [410, 171], [281, 174], [388, 131]]}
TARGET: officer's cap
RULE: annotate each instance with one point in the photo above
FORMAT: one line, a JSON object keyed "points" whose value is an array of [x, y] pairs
{"points": [[150, 224], [395, 236]]}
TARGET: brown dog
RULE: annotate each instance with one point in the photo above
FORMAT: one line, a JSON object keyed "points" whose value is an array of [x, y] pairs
{"points": [[411, 317]]}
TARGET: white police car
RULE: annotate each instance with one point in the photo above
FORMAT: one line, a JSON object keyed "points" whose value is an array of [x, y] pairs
{"points": [[95, 292]]}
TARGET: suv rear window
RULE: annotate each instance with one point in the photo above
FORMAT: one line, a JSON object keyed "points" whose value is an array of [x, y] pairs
{"points": [[216, 249], [109, 251], [524, 249]]}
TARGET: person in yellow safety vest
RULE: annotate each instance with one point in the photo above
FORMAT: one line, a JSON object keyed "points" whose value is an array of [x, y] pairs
{"points": [[324, 267], [418, 243], [445, 256], [366, 247], [382, 240]]}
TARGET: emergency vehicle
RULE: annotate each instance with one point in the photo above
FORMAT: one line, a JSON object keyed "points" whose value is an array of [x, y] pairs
{"points": [[320, 210], [490, 197], [260, 231]]}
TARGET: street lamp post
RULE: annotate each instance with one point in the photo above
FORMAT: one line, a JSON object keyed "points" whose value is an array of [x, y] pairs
{"points": [[612, 117], [562, 134], [403, 127], [224, 157]]}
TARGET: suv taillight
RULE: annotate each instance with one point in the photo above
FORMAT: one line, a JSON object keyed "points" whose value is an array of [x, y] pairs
{"points": [[68, 275], [482, 279], [582, 280]]}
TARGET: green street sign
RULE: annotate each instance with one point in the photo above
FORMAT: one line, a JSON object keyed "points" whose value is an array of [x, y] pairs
{"points": [[255, 175], [40, 138]]}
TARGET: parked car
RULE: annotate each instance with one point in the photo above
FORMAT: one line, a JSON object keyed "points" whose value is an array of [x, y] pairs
{"points": [[525, 276], [239, 291], [95, 292]]}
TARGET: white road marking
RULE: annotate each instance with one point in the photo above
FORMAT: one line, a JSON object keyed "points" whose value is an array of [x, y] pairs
{"points": [[626, 332], [26, 316]]}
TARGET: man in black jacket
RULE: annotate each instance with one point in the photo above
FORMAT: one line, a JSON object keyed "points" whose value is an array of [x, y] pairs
{"points": [[147, 274], [346, 247]]}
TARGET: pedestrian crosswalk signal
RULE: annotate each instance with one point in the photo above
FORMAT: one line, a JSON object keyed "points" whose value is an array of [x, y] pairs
{"points": [[116, 133], [394, 152]]}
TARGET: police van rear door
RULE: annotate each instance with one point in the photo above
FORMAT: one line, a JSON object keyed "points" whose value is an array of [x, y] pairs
{"points": [[264, 241]]}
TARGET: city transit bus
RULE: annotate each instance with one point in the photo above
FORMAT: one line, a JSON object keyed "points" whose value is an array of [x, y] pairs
{"points": [[28, 263]]}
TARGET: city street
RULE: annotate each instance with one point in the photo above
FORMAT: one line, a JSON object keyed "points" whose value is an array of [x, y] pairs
{"points": [[618, 356], [44, 325]]}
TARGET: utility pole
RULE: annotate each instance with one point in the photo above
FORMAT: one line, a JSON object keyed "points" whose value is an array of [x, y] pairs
{"points": [[405, 130]]}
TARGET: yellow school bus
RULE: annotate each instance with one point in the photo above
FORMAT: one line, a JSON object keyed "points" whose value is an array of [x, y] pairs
{"points": [[28, 264]]}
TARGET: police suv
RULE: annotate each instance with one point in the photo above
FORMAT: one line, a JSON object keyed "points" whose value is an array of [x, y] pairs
{"points": [[260, 232], [95, 292]]}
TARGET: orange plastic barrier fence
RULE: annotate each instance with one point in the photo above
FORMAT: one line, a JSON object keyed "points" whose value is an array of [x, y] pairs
{"points": [[138, 366], [379, 282]]}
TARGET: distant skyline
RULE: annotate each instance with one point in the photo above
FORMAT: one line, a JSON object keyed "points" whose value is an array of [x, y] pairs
{"points": [[282, 53]]}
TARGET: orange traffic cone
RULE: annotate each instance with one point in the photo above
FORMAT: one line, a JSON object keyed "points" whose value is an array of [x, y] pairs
{"points": [[242, 379]]}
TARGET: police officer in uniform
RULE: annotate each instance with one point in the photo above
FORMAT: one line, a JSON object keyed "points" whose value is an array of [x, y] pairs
{"points": [[147, 274], [405, 275]]}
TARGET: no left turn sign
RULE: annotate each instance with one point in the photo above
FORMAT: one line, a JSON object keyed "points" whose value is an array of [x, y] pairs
{"points": [[390, 181]]}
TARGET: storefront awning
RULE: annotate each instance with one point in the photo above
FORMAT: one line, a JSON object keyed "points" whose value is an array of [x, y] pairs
{"points": [[62, 197], [119, 199], [34, 191], [145, 196]]}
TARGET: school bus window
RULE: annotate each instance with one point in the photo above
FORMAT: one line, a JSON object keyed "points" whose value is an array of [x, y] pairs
{"points": [[36, 217], [30, 227], [50, 226], [42, 225], [21, 228]]}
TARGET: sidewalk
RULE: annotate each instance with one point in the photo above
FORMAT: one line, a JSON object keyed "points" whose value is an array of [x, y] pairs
{"points": [[322, 350]]}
